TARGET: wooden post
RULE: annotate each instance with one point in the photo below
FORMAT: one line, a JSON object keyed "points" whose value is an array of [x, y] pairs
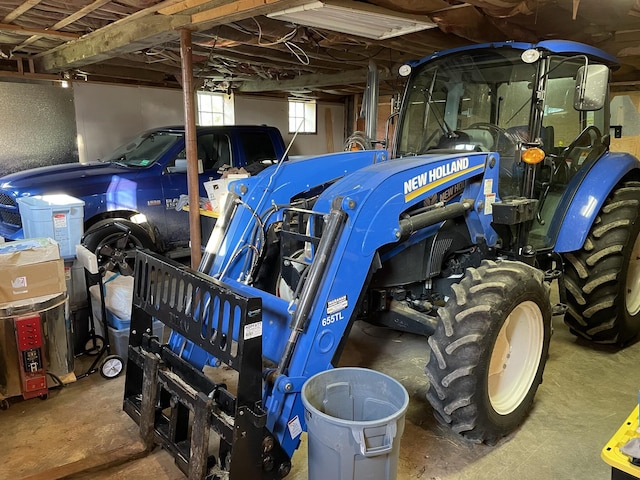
{"points": [[193, 187]]}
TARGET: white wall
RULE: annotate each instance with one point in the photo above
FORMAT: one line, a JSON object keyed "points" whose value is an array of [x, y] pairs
{"points": [[109, 115], [330, 138]]}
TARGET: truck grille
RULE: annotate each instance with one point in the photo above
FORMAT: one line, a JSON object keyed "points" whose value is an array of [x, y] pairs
{"points": [[9, 213], [12, 218], [7, 200]]}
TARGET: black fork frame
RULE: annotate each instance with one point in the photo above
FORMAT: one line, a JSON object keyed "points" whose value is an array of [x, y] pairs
{"points": [[176, 405]]}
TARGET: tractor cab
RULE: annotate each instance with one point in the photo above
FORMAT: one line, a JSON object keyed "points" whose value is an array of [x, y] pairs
{"points": [[542, 108]]}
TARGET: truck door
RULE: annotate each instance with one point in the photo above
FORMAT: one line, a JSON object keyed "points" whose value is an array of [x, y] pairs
{"points": [[213, 153]]}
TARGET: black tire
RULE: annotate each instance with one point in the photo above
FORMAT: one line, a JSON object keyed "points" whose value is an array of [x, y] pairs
{"points": [[479, 390], [92, 349], [111, 367], [603, 278], [114, 241]]}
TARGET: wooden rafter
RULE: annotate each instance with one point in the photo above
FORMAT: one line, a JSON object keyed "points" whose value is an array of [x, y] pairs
{"points": [[66, 21], [38, 31], [241, 9], [182, 5], [310, 81], [112, 41], [27, 5]]}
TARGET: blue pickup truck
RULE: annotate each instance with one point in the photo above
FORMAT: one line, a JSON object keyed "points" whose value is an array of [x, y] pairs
{"points": [[136, 189]]}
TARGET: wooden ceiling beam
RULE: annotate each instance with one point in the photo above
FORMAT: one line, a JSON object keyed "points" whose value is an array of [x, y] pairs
{"points": [[311, 81], [129, 73], [256, 62], [112, 41], [279, 56], [183, 5], [240, 10], [28, 5], [66, 21], [38, 31]]}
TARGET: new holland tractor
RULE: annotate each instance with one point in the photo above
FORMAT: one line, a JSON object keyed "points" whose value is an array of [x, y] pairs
{"points": [[499, 182]]}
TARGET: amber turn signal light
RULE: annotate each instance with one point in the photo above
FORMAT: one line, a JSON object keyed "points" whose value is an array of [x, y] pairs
{"points": [[532, 155]]}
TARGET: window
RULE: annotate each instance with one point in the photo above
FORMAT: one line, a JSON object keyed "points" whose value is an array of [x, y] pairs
{"points": [[215, 108], [214, 151], [258, 147], [302, 117], [143, 150]]}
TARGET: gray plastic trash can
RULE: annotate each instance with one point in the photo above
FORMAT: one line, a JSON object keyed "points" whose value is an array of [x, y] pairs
{"points": [[355, 420]]}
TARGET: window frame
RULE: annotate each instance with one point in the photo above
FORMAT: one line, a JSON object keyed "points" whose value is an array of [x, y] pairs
{"points": [[305, 122], [209, 114]]}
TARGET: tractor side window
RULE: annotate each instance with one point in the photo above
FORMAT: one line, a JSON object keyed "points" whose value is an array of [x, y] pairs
{"points": [[559, 113]]}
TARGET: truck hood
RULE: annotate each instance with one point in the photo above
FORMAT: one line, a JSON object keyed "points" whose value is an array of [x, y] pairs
{"points": [[62, 178]]}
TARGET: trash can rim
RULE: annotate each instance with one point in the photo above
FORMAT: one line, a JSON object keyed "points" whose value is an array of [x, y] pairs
{"points": [[360, 423]]}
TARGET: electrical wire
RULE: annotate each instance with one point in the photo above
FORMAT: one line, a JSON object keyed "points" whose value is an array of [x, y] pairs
{"points": [[283, 39], [296, 50], [291, 46]]}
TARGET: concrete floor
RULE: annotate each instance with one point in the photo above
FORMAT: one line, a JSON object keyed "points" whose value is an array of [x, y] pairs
{"points": [[586, 395]]}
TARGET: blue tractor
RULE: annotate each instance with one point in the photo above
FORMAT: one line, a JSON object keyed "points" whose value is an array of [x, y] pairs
{"points": [[499, 182]]}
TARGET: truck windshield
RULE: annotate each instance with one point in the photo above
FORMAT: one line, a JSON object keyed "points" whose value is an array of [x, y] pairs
{"points": [[144, 150]]}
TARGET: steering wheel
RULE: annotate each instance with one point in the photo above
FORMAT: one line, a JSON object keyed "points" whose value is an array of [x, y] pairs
{"points": [[588, 138], [499, 135]]}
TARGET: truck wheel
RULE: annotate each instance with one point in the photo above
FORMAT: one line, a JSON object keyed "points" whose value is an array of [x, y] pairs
{"points": [[114, 241], [603, 278], [489, 350]]}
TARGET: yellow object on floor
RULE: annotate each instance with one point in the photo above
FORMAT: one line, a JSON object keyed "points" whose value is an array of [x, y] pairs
{"points": [[611, 453]]}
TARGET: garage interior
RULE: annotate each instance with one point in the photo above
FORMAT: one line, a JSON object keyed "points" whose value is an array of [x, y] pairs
{"points": [[78, 77]]}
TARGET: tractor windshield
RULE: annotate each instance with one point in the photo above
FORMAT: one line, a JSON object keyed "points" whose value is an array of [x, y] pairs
{"points": [[476, 101]]}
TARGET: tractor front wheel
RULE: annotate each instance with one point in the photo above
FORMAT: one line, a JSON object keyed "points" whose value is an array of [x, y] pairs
{"points": [[489, 350], [603, 278]]}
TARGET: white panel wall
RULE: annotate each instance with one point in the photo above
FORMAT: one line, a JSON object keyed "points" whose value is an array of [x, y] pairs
{"points": [[109, 115], [258, 110]]}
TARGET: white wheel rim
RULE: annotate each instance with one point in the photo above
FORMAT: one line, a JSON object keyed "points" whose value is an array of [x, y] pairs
{"points": [[515, 357], [632, 294], [112, 367]]}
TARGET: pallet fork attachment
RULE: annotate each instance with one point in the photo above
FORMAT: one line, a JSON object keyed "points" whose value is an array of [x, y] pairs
{"points": [[176, 405]]}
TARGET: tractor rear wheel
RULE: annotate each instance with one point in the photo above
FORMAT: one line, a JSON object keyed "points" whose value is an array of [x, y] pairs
{"points": [[489, 350], [603, 278]]}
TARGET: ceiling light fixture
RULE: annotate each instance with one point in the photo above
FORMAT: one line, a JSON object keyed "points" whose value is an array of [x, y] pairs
{"points": [[354, 18]]}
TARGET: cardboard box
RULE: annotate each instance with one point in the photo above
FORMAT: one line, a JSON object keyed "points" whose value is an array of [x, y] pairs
{"points": [[217, 189], [30, 268]]}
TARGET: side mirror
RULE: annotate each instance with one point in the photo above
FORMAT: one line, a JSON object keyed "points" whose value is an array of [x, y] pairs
{"points": [[592, 83]]}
